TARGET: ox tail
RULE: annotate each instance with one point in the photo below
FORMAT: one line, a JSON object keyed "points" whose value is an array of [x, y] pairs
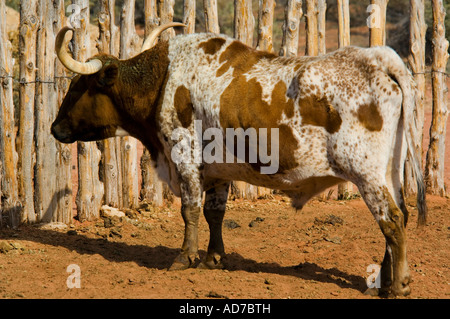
{"points": [[398, 71]]}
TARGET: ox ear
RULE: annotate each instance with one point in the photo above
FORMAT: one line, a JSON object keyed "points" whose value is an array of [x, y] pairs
{"points": [[108, 75]]}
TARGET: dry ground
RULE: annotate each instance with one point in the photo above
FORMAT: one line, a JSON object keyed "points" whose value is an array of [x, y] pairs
{"points": [[321, 252]]}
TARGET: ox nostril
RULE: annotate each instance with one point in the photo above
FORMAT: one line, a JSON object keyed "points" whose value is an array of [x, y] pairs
{"points": [[53, 130]]}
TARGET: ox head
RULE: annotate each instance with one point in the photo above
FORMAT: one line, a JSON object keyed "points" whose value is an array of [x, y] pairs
{"points": [[91, 110]]}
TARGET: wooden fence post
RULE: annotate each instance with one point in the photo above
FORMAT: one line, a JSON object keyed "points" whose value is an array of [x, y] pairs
{"points": [[63, 192], [25, 137], [416, 61], [321, 26], [90, 189], [166, 16], [129, 46], [1, 169], [377, 22], [151, 16], [434, 170], [244, 22], [343, 23], [47, 195], [265, 43], [110, 164], [211, 17], [189, 16], [151, 186], [312, 40], [345, 189], [8, 155], [293, 14], [265, 25]]}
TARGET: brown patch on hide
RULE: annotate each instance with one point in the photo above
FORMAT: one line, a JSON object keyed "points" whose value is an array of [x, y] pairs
{"points": [[319, 112], [241, 58], [212, 45], [242, 106], [370, 117], [183, 105]]}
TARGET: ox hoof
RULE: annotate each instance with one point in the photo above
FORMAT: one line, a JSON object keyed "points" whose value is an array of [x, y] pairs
{"points": [[372, 292], [389, 292], [402, 289], [212, 262], [183, 262]]}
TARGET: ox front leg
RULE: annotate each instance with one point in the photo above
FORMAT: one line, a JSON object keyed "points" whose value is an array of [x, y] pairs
{"points": [[191, 196], [395, 276], [214, 211]]}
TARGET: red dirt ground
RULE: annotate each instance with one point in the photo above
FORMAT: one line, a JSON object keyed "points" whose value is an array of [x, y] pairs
{"points": [[286, 255]]}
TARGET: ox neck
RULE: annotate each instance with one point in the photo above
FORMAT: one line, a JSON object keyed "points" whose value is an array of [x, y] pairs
{"points": [[140, 81], [139, 89]]}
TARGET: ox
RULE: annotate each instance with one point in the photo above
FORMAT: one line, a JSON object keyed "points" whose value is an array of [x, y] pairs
{"points": [[346, 115]]}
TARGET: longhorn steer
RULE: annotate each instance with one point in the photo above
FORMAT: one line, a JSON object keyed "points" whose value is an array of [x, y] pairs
{"points": [[346, 115]]}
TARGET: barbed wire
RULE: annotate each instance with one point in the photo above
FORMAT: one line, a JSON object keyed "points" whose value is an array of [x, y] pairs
{"points": [[431, 72], [71, 77], [37, 80]]}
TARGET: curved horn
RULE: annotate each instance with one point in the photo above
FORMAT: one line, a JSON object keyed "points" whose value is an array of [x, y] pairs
{"points": [[90, 67], [149, 41]]}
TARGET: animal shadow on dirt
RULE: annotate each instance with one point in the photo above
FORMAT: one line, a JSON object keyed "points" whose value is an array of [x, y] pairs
{"points": [[161, 257]]}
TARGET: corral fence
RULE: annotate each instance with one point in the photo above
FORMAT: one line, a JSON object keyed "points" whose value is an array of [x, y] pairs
{"points": [[36, 183]]}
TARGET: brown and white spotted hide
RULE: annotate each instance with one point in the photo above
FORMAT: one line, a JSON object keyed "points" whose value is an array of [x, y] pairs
{"points": [[346, 115], [337, 115]]}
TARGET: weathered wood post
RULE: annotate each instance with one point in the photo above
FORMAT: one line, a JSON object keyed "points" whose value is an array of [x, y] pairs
{"points": [[189, 15], [377, 22], [166, 16], [265, 43], [106, 43], [63, 176], [321, 26], [293, 14], [1, 172], [244, 23], [129, 46], [25, 137], [416, 61], [151, 186], [8, 156], [151, 16], [265, 25], [47, 194], [211, 17], [434, 169], [345, 189], [343, 23], [312, 39], [90, 189]]}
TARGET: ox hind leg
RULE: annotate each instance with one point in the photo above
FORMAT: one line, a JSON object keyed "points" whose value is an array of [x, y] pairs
{"points": [[394, 271], [214, 211]]}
